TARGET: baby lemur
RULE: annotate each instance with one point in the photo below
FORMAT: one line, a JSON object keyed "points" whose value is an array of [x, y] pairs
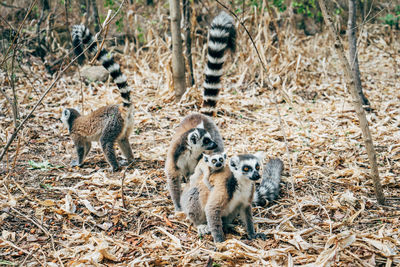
{"points": [[182, 158], [194, 135], [207, 165], [230, 196], [268, 190], [109, 124]]}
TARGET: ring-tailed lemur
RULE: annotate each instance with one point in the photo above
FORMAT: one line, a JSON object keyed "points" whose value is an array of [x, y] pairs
{"points": [[209, 164], [231, 195], [184, 152], [221, 36], [108, 124], [268, 190]]}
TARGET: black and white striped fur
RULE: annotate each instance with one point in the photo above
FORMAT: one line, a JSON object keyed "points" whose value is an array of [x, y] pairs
{"points": [[222, 36], [109, 125], [268, 190], [82, 37]]}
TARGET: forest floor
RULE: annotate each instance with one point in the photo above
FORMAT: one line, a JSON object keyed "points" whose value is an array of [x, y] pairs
{"points": [[327, 212]]}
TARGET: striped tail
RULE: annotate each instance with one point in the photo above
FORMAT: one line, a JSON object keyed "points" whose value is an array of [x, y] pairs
{"points": [[268, 190], [222, 36], [82, 37]]}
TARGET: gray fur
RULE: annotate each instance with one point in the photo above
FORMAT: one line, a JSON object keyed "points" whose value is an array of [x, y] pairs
{"points": [[107, 129], [108, 124], [180, 163], [222, 207], [268, 190], [186, 156]]}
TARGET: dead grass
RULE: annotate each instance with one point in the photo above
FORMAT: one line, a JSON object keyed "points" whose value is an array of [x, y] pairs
{"points": [[331, 216]]}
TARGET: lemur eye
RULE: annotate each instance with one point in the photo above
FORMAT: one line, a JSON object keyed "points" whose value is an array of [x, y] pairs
{"points": [[257, 167], [206, 140], [221, 159], [246, 168], [214, 161]]}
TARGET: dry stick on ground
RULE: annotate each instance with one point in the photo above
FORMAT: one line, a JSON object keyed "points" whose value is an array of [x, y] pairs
{"points": [[349, 76], [351, 33], [5, 149], [178, 61], [122, 185], [44, 230]]}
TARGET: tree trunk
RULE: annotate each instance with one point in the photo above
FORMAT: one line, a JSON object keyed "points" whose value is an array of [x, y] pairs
{"points": [[350, 82], [351, 33], [187, 11], [95, 15], [178, 61]]}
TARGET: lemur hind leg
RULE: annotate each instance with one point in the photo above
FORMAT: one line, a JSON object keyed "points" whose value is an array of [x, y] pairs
{"points": [[190, 203], [82, 148], [174, 187], [126, 149], [108, 139]]}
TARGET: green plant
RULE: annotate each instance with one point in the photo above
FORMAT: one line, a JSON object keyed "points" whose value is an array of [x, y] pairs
{"points": [[111, 4], [392, 18], [45, 165], [279, 4]]}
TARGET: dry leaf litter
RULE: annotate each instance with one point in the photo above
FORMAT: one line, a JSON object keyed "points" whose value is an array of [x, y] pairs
{"points": [[327, 214]]}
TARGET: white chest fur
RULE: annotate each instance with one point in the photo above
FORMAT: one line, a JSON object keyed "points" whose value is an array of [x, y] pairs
{"points": [[241, 196], [187, 162]]}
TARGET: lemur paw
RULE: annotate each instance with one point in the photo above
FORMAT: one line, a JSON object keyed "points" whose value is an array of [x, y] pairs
{"points": [[203, 229], [75, 163], [125, 162], [259, 236], [114, 169]]}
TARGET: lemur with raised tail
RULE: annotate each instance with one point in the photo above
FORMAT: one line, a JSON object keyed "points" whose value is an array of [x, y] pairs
{"points": [[181, 159], [231, 196], [268, 190], [194, 135], [208, 165], [109, 124], [221, 36]]}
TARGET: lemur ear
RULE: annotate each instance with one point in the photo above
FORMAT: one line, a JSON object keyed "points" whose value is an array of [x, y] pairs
{"points": [[224, 155], [66, 113], [260, 155], [206, 157], [193, 137], [234, 162], [200, 125]]}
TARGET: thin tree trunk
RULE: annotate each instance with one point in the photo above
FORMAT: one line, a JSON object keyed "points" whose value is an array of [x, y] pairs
{"points": [[351, 33], [178, 61], [187, 11], [95, 15], [350, 82]]}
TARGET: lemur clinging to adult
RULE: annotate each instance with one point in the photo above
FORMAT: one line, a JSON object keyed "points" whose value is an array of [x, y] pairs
{"points": [[108, 124], [194, 135], [181, 160], [230, 196], [207, 165], [268, 190]]}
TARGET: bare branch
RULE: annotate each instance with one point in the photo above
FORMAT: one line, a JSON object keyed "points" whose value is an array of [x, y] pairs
{"points": [[350, 83]]}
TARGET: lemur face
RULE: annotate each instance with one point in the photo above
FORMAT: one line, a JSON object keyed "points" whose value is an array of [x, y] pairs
{"points": [[68, 116], [200, 140], [65, 116], [245, 167], [215, 161]]}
